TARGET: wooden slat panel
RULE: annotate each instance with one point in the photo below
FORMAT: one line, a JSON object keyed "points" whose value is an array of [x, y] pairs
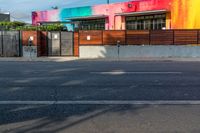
{"points": [[182, 37], [42, 43], [76, 44], [136, 37], [94, 35], [161, 37], [111, 37], [26, 35]]}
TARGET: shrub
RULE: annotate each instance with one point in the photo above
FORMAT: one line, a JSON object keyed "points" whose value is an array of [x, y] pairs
{"points": [[23, 26]]}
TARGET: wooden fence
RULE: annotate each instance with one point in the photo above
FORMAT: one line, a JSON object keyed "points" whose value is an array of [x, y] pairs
{"points": [[139, 37], [11, 42]]}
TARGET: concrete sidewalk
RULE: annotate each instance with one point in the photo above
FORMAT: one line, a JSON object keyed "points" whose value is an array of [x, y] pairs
{"points": [[65, 59], [40, 59]]}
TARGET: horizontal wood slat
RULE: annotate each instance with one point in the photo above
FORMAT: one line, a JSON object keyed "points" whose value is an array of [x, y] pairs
{"points": [[111, 37], [140, 37], [161, 37], [27, 34], [182, 37], [137, 37], [92, 37]]}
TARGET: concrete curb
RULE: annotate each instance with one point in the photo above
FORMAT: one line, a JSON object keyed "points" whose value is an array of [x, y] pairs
{"points": [[40, 59], [145, 59], [65, 59]]}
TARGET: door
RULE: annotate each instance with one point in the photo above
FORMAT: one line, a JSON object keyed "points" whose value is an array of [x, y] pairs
{"points": [[67, 43], [11, 43], [54, 43]]}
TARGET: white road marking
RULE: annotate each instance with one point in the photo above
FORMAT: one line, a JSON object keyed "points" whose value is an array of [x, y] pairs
{"points": [[124, 72], [172, 102]]}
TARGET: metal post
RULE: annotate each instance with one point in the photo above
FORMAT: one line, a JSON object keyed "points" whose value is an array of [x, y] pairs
{"points": [[108, 1], [118, 49]]}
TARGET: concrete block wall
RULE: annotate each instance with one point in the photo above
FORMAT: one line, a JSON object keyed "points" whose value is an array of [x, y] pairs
{"points": [[139, 51]]}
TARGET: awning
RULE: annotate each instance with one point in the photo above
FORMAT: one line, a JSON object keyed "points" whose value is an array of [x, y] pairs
{"points": [[142, 13], [87, 17], [55, 22]]}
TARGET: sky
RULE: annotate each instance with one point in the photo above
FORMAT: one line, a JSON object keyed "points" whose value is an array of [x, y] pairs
{"points": [[21, 9]]}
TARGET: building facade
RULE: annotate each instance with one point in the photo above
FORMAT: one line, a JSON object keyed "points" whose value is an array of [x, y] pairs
{"points": [[4, 17], [132, 15]]}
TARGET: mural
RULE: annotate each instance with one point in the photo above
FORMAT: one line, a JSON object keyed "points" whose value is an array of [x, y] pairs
{"points": [[183, 13]]}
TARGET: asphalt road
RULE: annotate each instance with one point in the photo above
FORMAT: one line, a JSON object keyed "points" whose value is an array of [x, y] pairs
{"points": [[30, 93]]}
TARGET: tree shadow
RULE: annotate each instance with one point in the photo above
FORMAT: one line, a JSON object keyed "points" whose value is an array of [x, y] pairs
{"points": [[40, 81], [54, 118]]}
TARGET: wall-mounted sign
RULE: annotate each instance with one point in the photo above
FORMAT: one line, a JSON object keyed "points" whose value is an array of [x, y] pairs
{"points": [[31, 38], [55, 36], [88, 38]]}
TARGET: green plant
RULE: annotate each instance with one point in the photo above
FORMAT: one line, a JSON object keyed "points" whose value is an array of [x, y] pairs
{"points": [[10, 25], [22, 26]]}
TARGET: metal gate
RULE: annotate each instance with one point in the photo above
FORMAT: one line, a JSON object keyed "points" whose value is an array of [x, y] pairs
{"points": [[54, 43], [10, 44], [67, 43]]}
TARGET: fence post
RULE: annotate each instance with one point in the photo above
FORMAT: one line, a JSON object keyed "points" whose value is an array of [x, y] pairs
{"points": [[2, 43], [149, 37], [197, 36], [118, 49], [102, 37], [125, 37], [60, 42], [20, 44], [173, 37]]}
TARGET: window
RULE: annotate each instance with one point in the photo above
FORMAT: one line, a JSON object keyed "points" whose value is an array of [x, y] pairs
{"points": [[146, 22], [92, 24]]}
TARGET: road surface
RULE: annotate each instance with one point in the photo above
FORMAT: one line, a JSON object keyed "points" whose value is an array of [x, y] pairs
{"points": [[100, 97]]}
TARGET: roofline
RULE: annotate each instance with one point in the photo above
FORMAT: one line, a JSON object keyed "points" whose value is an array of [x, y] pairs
{"points": [[112, 3], [54, 22], [141, 13], [87, 17]]}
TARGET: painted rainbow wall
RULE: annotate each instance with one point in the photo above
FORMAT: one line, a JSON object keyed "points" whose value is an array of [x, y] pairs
{"points": [[183, 14]]}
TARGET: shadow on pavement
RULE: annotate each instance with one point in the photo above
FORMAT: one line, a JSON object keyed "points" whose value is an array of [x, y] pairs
{"points": [[73, 81], [53, 118]]}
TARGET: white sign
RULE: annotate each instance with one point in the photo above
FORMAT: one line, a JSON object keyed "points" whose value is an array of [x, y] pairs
{"points": [[55, 36], [31, 38], [88, 38]]}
